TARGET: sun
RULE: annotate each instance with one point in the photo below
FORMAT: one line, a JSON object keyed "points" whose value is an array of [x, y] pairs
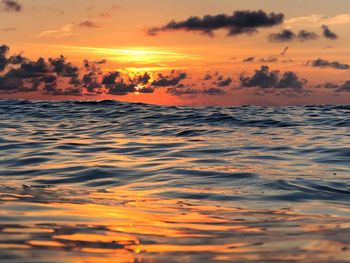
{"points": [[137, 89]]}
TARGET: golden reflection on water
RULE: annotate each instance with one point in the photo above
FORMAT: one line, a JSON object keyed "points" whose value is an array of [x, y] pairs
{"points": [[122, 225]]}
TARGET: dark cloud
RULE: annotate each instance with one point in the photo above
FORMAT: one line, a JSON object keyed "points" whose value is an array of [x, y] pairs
{"points": [[263, 78], [16, 59], [30, 69], [109, 78], [63, 68], [59, 77], [182, 91], [287, 35], [327, 33], [166, 81], [271, 59], [3, 60], [119, 85], [88, 24], [186, 90], [249, 59], [338, 88], [266, 79], [11, 6], [143, 79], [291, 80], [53, 90], [101, 61], [306, 35], [284, 36], [239, 22], [207, 77], [224, 82], [213, 91], [344, 87], [322, 63], [9, 84], [122, 88]]}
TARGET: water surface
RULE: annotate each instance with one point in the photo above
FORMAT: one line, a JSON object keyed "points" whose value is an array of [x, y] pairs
{"points": [[118, 182]]}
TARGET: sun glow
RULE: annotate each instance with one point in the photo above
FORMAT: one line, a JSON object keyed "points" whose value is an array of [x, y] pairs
{"points": [[139, 55]]}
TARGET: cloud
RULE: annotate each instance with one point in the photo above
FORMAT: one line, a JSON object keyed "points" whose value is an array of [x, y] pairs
{"points": [[53, 90], [249, 59], [284, 36], [344, 87], [16, 59], [318, 20], [104, 15], [287, 35], [187, 90], [306, 35], [322, 63], [338, 88], [3, 60], [122, 88], [11, 6], [48, 9], [59, 77], [327, 33], [213, 92], [165, 81], [270, 59], [88, 24], [207, 77], [63, 68], [66, 30], [109, 79], [182, 91], [265, 79], [224, 82], [8, 29], [240, 22], [291, 80]]}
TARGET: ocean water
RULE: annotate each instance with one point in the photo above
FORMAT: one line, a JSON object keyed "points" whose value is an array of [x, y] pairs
{"points": [[93, 182]]}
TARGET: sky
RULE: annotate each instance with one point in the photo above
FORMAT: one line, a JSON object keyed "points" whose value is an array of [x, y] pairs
{"points": [[193, 52]]}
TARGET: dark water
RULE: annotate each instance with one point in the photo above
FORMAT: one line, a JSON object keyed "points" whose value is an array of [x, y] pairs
{"points": [[118, 182]]}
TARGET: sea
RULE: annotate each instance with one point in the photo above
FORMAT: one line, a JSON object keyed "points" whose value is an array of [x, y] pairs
{"points": [[109, 181]]}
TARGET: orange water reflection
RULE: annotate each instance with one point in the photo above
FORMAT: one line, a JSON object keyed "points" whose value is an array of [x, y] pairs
{"points": [[121, 225]]}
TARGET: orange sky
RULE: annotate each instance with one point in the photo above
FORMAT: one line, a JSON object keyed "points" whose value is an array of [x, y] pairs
{"points": [[115, 30]]}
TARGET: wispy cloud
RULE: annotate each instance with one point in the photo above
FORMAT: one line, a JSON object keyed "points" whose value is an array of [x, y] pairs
{"points": [[8, 29], [88, 24], [66, 30], [318, 20], [69, 29]]}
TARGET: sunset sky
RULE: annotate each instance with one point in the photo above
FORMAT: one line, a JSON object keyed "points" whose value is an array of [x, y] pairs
{"points": [[193, 52]]}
